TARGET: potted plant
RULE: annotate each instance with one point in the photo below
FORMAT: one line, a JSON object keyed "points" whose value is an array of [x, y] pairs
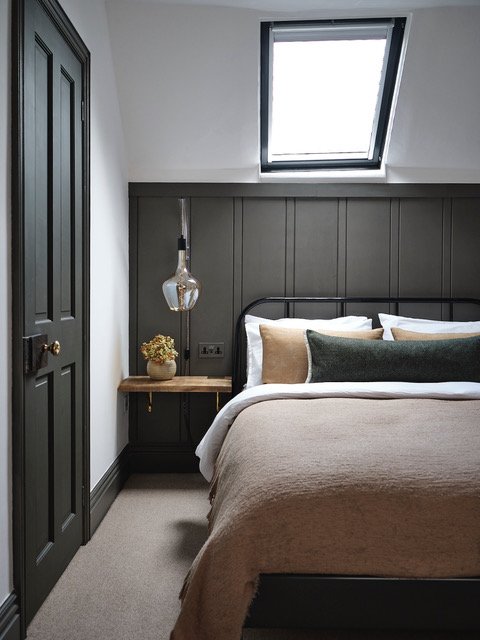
{"points": [[160, 355]]}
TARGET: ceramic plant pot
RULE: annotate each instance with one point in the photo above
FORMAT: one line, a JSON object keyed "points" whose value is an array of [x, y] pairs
{"points": [[164, 371]]}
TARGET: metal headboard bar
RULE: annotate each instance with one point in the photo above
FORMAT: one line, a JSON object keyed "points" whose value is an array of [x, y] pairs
{"points": [[342, 301]]}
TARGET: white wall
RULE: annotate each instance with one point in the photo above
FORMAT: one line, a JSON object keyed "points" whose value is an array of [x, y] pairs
{"points": [[436, 132], [5, 323], [188, 86], [109, 242], [187, 80], [109, 261]]}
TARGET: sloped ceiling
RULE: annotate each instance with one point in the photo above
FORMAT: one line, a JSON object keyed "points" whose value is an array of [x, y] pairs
{"points": [[315, 5], [187, 76]]}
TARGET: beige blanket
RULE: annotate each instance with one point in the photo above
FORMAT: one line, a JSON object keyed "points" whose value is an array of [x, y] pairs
{"points": [[336, 486]]}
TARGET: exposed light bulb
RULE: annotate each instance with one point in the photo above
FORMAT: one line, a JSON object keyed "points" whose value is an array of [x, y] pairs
{"points": [[181, 291]]}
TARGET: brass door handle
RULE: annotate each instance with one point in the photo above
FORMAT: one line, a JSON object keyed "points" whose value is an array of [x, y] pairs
{"points": [[54, 348]]}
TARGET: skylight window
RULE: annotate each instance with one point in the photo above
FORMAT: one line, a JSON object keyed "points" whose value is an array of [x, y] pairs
{"points": [[326, 92]]}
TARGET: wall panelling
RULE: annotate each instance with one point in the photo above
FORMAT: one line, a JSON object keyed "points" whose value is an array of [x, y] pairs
{"points": [[253, 240]]}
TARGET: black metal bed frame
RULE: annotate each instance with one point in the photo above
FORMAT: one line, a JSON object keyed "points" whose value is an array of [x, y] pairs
{"points": [[312, 601]]}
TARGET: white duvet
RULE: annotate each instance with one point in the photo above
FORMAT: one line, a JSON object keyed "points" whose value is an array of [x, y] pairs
{"points": [[210, 445]]}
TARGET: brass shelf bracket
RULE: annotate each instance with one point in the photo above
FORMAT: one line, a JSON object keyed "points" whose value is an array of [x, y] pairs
{"points": [[150, 402]]}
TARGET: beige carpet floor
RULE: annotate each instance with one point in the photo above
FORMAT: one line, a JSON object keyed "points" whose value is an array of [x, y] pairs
{"points": [[124, 584]]}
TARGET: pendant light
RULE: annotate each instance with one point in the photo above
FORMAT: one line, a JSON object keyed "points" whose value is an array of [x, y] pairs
{"points": [[181, 291]]}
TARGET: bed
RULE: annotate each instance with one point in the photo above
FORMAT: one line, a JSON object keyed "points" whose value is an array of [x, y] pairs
{"points": [[320, 521]]}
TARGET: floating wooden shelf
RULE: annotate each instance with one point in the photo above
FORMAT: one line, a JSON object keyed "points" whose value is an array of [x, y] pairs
{"points": [[178, 384]]}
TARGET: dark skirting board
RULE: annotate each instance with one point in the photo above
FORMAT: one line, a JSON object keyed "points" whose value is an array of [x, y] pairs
{"points": [[108, 488], [10, 618]]}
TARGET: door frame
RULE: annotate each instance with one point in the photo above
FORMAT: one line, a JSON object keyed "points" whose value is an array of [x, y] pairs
{"points": [[68, 31]]}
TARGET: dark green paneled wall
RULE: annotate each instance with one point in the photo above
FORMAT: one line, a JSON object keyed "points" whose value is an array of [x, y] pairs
{"points": [[249, 241]]}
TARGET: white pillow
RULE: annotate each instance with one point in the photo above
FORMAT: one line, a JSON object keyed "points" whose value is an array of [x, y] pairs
{"points": [[254, 339], [426, 326]]}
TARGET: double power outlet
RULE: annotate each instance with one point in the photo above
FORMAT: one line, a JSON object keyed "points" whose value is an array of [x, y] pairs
{"points": [[211, 349]]}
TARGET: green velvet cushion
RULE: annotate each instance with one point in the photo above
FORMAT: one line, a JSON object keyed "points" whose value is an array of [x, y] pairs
{"points": [[348, 359]]}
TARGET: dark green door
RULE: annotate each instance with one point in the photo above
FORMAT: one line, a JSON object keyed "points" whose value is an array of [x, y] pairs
{"points": [[53, 297]]}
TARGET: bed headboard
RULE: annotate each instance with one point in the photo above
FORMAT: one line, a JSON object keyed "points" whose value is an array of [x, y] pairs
{"points": [[448, 306]]}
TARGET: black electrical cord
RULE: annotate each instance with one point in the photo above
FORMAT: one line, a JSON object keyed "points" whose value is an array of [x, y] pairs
{"points": [[186, 396]]}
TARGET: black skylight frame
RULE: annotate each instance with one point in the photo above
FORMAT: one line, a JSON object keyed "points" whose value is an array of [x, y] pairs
{"points": [[390, 78]]}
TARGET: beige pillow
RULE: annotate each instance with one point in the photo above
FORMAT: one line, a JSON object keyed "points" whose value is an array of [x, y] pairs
{"points": [[404, 334], [285, 358]]}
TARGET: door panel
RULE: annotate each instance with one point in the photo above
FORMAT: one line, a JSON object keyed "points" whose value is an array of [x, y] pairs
{"points": [[41, 125], [54, 284], [42, 440], [67, 175], [67, 486]]}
